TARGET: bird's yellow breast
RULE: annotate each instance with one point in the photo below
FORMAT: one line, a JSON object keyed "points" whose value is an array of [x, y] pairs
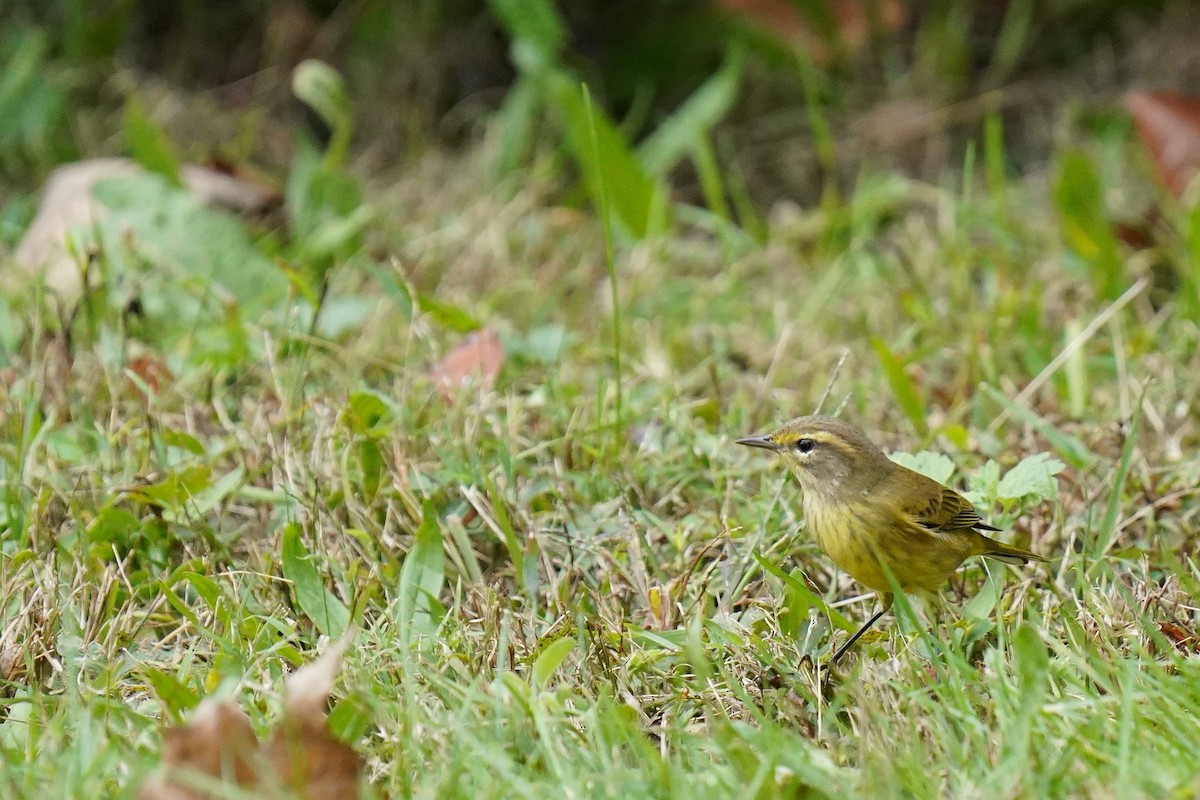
{"points": [[861, 539]]}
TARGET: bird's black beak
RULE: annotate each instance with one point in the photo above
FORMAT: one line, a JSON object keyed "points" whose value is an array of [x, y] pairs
{"points": [[758, 441]]}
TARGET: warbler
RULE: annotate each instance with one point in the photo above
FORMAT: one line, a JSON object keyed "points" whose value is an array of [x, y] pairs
{"points": [[873, 517]]}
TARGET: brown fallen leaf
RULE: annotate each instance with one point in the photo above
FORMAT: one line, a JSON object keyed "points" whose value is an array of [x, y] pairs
{"points": [[480, 355], [1168, 125], [217, 747], [152, 374], [1182, 638], [302, 753], [217, 744]]}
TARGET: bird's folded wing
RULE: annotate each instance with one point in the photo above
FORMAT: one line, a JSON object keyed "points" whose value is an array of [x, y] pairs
{"points": [[945, 510]]}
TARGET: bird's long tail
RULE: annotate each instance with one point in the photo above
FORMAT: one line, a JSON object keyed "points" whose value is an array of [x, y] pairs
{"points": [[1006, 552]]}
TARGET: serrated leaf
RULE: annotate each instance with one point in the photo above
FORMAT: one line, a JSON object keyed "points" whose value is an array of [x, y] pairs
{"points": [[931, 465], [328, 613], [1033, 477], [985, 479]]}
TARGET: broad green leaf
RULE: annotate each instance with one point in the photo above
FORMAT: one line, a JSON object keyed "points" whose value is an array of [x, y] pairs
{"points": [[796, 613], [115, 525], [175, 237], [148, 143], [448, 316], [327, 612], [985, 479], [421, 576], [1033, 477], [184, 441], [367, 412], [176, 696], [550, 659]]}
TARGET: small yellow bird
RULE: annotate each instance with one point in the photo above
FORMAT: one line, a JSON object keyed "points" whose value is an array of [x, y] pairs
{"points": [[873, 516]]}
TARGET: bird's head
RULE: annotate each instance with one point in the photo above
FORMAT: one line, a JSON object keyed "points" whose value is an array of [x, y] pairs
{"points": [[827, 455]]}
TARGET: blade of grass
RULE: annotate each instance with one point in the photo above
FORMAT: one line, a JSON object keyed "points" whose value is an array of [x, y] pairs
{"points": [[597, 167], [902, 386], [1112, 512], [1074, 451]]}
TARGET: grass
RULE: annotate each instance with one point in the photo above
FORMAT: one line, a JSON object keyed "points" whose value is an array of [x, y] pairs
{"points": [[573, 582]]}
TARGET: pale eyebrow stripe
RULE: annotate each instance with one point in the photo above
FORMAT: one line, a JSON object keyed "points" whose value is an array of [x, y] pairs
{"points": [[825, 437]]}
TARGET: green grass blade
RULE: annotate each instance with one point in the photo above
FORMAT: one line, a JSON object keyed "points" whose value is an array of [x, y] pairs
{"points": [[902, 386]]}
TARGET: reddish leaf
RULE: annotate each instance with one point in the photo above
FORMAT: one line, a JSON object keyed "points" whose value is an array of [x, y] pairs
{"points": [[1182, 638], [479, 356], [1169, 127], [152, 372]]}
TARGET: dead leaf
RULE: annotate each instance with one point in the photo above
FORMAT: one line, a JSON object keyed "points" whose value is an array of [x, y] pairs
{"points": [[301, 759], [218, 743], [480, 355], [151, 371], [1182, 638], [1168, 125], [302, 752]]}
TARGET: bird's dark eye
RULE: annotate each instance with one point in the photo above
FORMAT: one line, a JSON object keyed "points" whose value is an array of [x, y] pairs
{"points": [[805, 445]]}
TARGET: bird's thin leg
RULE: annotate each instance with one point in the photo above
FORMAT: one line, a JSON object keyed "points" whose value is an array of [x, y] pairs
{"points": [[841, 651]]}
